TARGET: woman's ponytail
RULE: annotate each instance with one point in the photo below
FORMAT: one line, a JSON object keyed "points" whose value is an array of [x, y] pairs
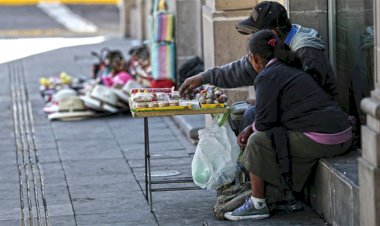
{"points": [[284, 54], [267, 44]]}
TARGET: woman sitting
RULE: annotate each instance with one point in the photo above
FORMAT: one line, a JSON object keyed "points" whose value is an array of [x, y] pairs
{"points": [[296, 124]]}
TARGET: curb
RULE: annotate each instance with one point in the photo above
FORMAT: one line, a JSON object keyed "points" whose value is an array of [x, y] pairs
{"points": [[190, 125]]}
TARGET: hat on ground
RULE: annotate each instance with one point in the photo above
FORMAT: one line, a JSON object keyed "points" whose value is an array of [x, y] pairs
{"points": [[104, 94], [97, 105], [121, 94], [124, 92], [101, 98], [71, 108], [52, 106], [266, 14], [63, 93], [131, 84]]}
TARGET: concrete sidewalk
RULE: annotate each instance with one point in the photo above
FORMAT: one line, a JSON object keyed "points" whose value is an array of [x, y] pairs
{"points": [[92, 171]]}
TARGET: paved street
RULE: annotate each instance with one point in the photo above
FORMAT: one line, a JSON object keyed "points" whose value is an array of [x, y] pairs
{"points": [[93, 170], [54, 20], [88, 172]]}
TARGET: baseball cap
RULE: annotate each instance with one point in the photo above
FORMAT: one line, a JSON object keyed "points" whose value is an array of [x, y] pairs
{"points": [[266, 14]]}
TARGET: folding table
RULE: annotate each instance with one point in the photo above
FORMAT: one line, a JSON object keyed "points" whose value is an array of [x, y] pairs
{"points": [[148, 179]]}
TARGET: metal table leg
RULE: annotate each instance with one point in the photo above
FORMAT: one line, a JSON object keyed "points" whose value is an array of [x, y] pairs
{"points": [[148, 173], [148, 179], [146, 147]]}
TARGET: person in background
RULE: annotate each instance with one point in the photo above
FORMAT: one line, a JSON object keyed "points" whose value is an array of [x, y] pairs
{"points": [[297, 123], [305, 42]]}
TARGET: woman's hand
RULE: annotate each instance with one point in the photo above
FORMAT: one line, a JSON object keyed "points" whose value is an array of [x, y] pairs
{"points": [[189, 84], [243, 136]]}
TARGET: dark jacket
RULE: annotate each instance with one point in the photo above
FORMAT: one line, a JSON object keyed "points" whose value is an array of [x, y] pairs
{"points": [[241, 72], [315, 62], [234, 74], [289, 97]]}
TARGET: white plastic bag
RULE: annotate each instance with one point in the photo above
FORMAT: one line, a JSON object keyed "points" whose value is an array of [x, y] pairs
{"points": [[214, 163]]}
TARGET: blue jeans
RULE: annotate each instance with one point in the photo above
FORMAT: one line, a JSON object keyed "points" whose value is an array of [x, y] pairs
{"points": [[248, 118]]}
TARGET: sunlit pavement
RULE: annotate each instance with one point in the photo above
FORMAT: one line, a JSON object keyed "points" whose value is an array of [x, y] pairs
{"points": [[14, 49], [32, 2], [59, 20]]}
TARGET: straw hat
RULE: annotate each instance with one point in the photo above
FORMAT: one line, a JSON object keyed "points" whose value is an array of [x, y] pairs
{"points": [[63, 93], [71, 108], [52, 107]]}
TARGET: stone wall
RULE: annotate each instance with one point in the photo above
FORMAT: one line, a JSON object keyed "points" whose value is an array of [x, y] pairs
{"points": [[221, 42], [223, 5], [369, 164], [310, 13]]}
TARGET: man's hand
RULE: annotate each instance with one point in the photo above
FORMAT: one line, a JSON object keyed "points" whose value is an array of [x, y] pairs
{"points": [[189, 84], [243, 136]]}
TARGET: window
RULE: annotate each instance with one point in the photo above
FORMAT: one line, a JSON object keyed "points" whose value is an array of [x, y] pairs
{"points": [[354, 59]]}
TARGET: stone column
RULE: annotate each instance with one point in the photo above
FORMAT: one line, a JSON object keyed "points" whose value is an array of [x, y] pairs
{"points": [[369, 163], [221, 42], [138, 20], [125, 23], [148, 10], [188, 30]]}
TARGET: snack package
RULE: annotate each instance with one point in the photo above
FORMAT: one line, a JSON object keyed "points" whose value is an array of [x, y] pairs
{"points": [[151, 90], [153, 99], [142, 97]]}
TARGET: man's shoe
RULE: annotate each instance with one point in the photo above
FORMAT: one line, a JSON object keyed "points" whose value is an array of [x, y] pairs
{"points": [[247, 211]]}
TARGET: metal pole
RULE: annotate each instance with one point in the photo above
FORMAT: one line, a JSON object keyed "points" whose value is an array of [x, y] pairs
{"points": [[148, 178], [146, 156], [332, 33]]}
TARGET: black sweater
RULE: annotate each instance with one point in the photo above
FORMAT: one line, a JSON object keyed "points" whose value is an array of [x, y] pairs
{"points": [[291, 98]]}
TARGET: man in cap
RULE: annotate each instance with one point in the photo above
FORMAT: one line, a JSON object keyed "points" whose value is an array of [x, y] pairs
{"points": [[306, 42]]}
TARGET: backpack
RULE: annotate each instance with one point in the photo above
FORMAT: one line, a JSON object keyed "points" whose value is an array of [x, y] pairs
{"points": [[190, 68]]}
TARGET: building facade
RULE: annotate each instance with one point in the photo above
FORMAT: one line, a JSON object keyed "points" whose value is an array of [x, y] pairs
{"points": [[347, 26]]}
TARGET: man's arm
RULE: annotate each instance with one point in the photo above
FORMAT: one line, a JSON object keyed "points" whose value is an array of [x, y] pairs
{"points": [[234, 74]]}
